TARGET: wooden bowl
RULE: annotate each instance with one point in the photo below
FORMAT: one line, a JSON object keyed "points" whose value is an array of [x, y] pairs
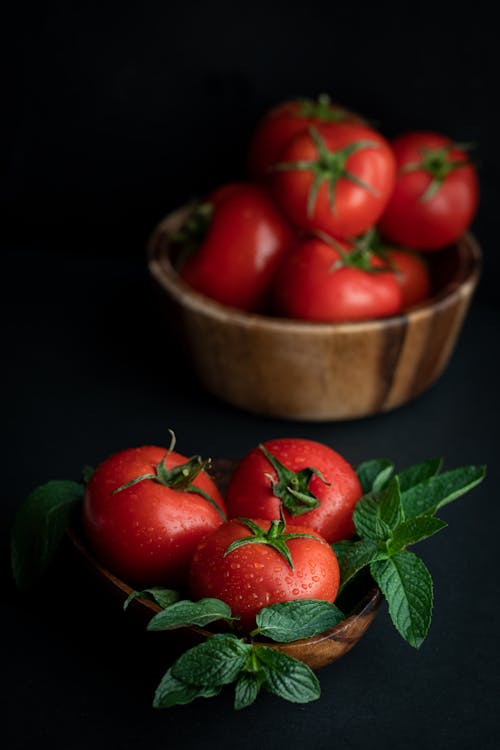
{"points": [[318, 371], [362, 602], [361, 599]]}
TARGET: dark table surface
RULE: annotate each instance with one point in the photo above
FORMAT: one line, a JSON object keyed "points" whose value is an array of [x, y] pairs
{"points": [[89, 371]]}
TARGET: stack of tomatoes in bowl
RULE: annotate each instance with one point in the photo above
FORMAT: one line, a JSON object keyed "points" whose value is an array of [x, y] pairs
{"points": [[333, 283], [336, 223]]}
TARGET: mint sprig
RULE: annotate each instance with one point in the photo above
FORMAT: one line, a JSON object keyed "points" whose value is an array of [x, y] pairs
{"points": [[203, 670], [393, 514]]}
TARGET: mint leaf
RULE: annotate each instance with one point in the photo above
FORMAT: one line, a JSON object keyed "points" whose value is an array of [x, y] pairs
{"points": [[289, 621], [217, 661], [390, 510], [374, 474], [174, 692], [287, 677], [156, 594], [428, 496], [39, 527], [418, 473], [185, 612], [407, 586], [414, 530], [246, 690], [366, 519], [353, 556]]}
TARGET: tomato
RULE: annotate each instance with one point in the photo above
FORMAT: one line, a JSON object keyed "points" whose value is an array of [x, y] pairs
{"points": [[246, 238], [324, 487], [412, 275], [146, 532], [254, 575], [436, 193], [324, 282], [281, 123], [336, 178]]}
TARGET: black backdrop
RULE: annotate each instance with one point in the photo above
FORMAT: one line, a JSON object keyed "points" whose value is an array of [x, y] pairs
{"points": [[113, 115]]}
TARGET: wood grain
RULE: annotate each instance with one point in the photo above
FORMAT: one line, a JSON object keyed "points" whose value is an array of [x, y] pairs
{"points": [[318, 371]]}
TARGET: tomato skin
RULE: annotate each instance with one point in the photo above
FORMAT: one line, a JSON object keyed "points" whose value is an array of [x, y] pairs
{"points": [[245, 242], [256, 575], [146, 533], [250, 493], [356, 208], [412, 275], [278, 126], [308, 288], [440, 220]]}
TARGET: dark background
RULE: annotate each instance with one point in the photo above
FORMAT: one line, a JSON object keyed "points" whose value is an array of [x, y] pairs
{"points": [[113, 115]]}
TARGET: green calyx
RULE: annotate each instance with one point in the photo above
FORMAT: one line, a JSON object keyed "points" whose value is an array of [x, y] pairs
{"points": [[322, 109], [438, 164], [364, 249], [275, 537], [192, 233], [292, 487], [178, 478], [329, 168]]}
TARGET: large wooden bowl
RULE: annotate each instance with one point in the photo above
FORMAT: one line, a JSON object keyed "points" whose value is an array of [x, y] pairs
{"points": [[318, 371]]}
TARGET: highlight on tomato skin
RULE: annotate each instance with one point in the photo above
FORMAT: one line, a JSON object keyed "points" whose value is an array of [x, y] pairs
{"points": [[329, 491], [146, 532], [256, 575]]}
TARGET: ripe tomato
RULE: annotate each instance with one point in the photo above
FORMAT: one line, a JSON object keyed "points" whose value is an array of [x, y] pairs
{"points": [[436, 193], [316, 485], [412, 275], [246, 238], [254, 575], [281, 123], [336, 178], [319, 281], [146, 532]]}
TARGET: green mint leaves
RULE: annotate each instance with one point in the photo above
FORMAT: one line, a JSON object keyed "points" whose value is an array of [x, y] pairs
{"points": [[203, 671], [395, 512], [289, 621], [223, 659], [39, 527]]}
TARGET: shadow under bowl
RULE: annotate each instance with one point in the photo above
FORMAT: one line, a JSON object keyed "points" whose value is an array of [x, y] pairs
{"points": [[318, 371]]}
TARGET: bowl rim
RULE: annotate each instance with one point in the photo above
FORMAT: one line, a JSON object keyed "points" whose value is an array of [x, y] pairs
{"points": [[162, 269]]}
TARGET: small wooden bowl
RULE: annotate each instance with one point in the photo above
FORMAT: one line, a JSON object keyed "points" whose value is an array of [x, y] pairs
{"points": [[319, 371], [317, 651]]}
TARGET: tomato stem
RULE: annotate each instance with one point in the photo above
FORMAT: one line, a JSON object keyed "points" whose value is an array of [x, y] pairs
{"points": [[329, 167]]}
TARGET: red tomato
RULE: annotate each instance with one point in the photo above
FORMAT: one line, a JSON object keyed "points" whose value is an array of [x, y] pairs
{"points": [[316, 282], [280, 124], [247, 237], [146, 533], [412, 275], [256, 575], [256, 489], [336, 178], [436, 192]]}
